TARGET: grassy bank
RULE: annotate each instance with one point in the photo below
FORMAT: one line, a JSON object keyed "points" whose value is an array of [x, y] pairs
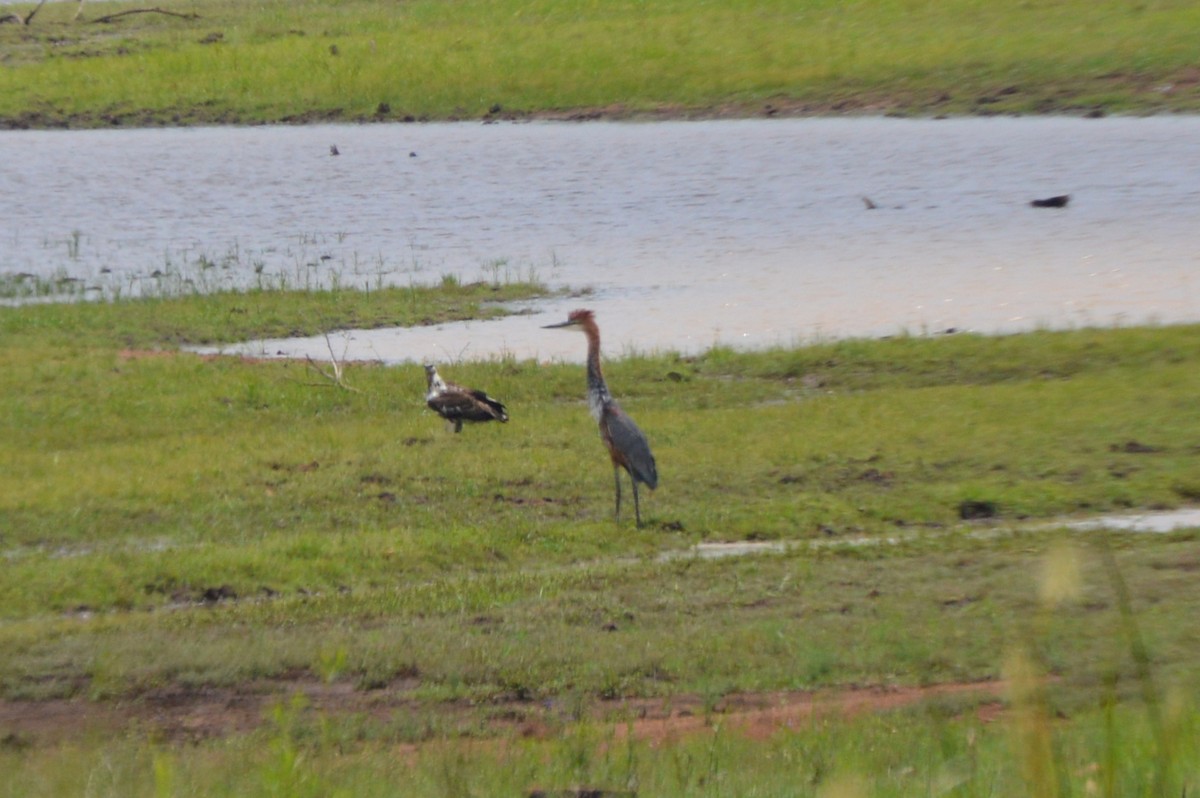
{"points": [[428, 59], [185, 532]]}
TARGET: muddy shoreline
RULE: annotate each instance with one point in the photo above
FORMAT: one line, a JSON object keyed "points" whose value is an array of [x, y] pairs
{"points": [[781, 108]]}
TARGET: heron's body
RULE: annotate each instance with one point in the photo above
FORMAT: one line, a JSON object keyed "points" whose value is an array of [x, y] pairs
{"points": [[457, 404], [627, 445]]}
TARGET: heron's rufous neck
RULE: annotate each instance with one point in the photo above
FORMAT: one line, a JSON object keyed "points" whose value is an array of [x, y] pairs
{"points": [[598, 395]]}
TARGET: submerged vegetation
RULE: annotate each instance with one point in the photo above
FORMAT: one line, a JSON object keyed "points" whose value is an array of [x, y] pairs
{"points": [[181, 537], [222, 61]]}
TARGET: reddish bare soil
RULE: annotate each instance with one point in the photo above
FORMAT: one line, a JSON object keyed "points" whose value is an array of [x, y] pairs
{"points": [[188, 715]]}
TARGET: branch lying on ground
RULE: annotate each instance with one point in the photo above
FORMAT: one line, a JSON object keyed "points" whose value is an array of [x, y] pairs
{"points": [[111, 17], [16, 18], [336, 376]]}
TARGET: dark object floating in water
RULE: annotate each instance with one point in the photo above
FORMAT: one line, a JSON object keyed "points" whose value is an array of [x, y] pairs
{"points": [[1052, 202], [333, 150], [870, 205]]}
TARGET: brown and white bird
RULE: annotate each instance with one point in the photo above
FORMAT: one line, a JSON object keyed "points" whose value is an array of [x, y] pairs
{"points": [[457, 404]]}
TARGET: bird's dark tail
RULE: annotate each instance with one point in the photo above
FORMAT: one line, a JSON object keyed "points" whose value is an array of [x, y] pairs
{"points": [[499, 411]]}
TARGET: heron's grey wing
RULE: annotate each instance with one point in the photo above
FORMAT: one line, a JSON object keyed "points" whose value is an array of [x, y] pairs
{"points": [[629, 445]]}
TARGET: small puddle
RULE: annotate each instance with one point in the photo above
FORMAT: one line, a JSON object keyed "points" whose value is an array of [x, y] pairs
{"points": [[718, 550], [737, 548], [1155, 522], [1165, 521]]}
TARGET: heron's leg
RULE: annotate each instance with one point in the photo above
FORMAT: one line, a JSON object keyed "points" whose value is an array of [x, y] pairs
{"points": [[617, 481], [637, 510], [458, 425]]}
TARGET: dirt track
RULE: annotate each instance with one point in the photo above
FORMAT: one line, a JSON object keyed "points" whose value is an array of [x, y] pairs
{"points": [[190, 715]]}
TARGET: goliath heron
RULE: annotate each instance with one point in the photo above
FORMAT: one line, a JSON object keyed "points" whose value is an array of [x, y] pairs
{"points": [[457, 404], [627, 446]]}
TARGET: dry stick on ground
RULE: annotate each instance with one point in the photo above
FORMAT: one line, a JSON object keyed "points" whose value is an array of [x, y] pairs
{"points": [[23, 21], [111, 17], [336, 376]]}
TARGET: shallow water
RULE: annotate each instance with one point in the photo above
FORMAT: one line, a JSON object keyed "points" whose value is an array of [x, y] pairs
{"points": [[1162, 521], [1154, 522], [748, 232]]}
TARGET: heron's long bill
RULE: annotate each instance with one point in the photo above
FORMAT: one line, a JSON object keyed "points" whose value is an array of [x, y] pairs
{"points": [[567, 323]]}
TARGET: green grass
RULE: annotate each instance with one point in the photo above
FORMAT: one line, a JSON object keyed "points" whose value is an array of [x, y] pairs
{"points": [[429, 59], [229, 317], [457, 580]]}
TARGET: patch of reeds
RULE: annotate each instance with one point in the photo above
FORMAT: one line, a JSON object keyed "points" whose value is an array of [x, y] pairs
{"points": [[191, 271]]}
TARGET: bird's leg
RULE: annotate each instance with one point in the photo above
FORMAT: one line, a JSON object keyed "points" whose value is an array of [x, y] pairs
{"points": [[637, 510], [617, 480], [458, 425]]}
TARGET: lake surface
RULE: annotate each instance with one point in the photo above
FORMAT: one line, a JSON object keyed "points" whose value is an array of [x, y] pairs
{"points": [[747, 232]]}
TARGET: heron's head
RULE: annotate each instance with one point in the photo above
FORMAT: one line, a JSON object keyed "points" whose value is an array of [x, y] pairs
{"points": [[578, 320]]}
